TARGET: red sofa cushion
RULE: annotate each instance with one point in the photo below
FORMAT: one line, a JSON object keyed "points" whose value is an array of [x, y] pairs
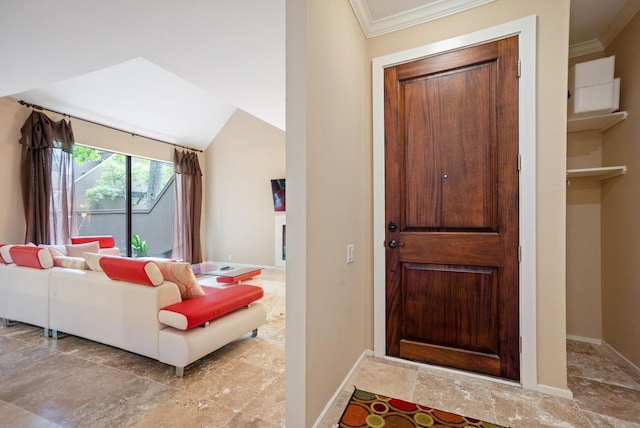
{"points": [[215, 303], [30, 256], [132, 270], [105, 241]]}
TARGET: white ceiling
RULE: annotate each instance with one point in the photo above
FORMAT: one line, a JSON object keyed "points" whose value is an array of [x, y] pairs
{"points": [[590, 18], [176, 71], [595, 23], [157, 99], [125, 62]]}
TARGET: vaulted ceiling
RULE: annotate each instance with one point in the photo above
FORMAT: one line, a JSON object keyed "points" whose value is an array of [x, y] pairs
{"points": [[170, 70], [176, 71]]}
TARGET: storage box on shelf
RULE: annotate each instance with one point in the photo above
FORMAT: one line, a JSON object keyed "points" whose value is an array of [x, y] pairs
{"points": [[594, 96], [592, 87]]}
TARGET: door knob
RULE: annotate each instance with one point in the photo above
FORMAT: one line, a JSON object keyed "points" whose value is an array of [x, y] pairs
{"points": [[393, 244]]}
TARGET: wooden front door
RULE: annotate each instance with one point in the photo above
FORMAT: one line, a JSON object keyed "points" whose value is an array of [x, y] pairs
{"points": [[451, 190]]}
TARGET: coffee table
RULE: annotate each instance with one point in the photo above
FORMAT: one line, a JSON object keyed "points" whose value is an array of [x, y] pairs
{"points": [[213, 273]]}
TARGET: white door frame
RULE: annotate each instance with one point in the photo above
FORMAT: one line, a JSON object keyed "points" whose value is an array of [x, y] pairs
{"points": [[525, 29]]}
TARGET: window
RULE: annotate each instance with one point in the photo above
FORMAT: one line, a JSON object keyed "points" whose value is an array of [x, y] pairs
{"points": [[105, 207]]}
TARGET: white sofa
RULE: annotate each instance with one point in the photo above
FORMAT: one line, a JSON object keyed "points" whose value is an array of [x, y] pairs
{"points": [[24, 295], [88, 304], [117, 313]]}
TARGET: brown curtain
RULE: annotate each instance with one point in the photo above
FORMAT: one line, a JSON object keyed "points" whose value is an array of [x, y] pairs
{"points": [[188, 211], [47, 179]]}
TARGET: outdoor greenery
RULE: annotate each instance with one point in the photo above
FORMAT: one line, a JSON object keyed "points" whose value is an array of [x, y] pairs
{"points": [[138, 246], [112, 181], [83, 154], [101, 200], [148, 177]]}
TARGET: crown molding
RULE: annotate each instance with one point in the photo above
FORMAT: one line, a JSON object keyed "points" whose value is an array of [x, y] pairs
{"points": [[434, 10], [585, 48], [626, 14]]}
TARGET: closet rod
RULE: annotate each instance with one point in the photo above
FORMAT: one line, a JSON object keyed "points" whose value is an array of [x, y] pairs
{"points": [[37, 107]]}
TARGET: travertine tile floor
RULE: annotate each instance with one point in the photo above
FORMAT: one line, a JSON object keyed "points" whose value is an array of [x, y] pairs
{"points": [[73, 382], [606, 391]]}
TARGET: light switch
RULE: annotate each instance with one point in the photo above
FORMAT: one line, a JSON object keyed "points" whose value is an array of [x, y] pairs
{"points": [[351, 253]]}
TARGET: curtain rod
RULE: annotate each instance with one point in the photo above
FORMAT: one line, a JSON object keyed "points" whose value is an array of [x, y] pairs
{"points": [[37, 107]]}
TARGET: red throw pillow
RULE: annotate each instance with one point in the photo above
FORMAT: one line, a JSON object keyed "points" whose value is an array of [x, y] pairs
{"points": [[105, 241], [29, 256], [132, 270]]}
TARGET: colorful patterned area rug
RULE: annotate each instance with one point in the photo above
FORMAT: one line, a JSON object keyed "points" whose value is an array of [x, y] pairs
{"points": [[368, 410]]}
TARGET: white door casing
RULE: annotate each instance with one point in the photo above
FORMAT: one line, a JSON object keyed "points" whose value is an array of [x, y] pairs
{"points": [[525, 29]]}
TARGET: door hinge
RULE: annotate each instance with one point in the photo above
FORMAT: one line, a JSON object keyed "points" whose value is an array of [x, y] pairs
{"points": [[519, 254], [519, 162], [519, 68], [520, 344]]}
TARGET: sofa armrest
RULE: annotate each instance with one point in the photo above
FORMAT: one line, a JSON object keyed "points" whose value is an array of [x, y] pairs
{"points": [[217, 303]]}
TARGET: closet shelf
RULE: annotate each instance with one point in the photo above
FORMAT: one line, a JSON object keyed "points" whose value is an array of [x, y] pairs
{"points": [[599, 122], [603, 173]]}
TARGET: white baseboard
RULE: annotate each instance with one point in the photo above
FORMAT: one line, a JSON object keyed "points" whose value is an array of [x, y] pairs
{"points": [[603, 343], [584, 339], [552, 390], [614, 350], [366, 353]]}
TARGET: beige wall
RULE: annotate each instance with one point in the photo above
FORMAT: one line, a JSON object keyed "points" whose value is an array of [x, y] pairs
{"points": [[329, 130], [245, 155], [13, 116], [584, 308], [100, 137], [621, 205], [584, 301], [329, 156], [296, 155]]}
